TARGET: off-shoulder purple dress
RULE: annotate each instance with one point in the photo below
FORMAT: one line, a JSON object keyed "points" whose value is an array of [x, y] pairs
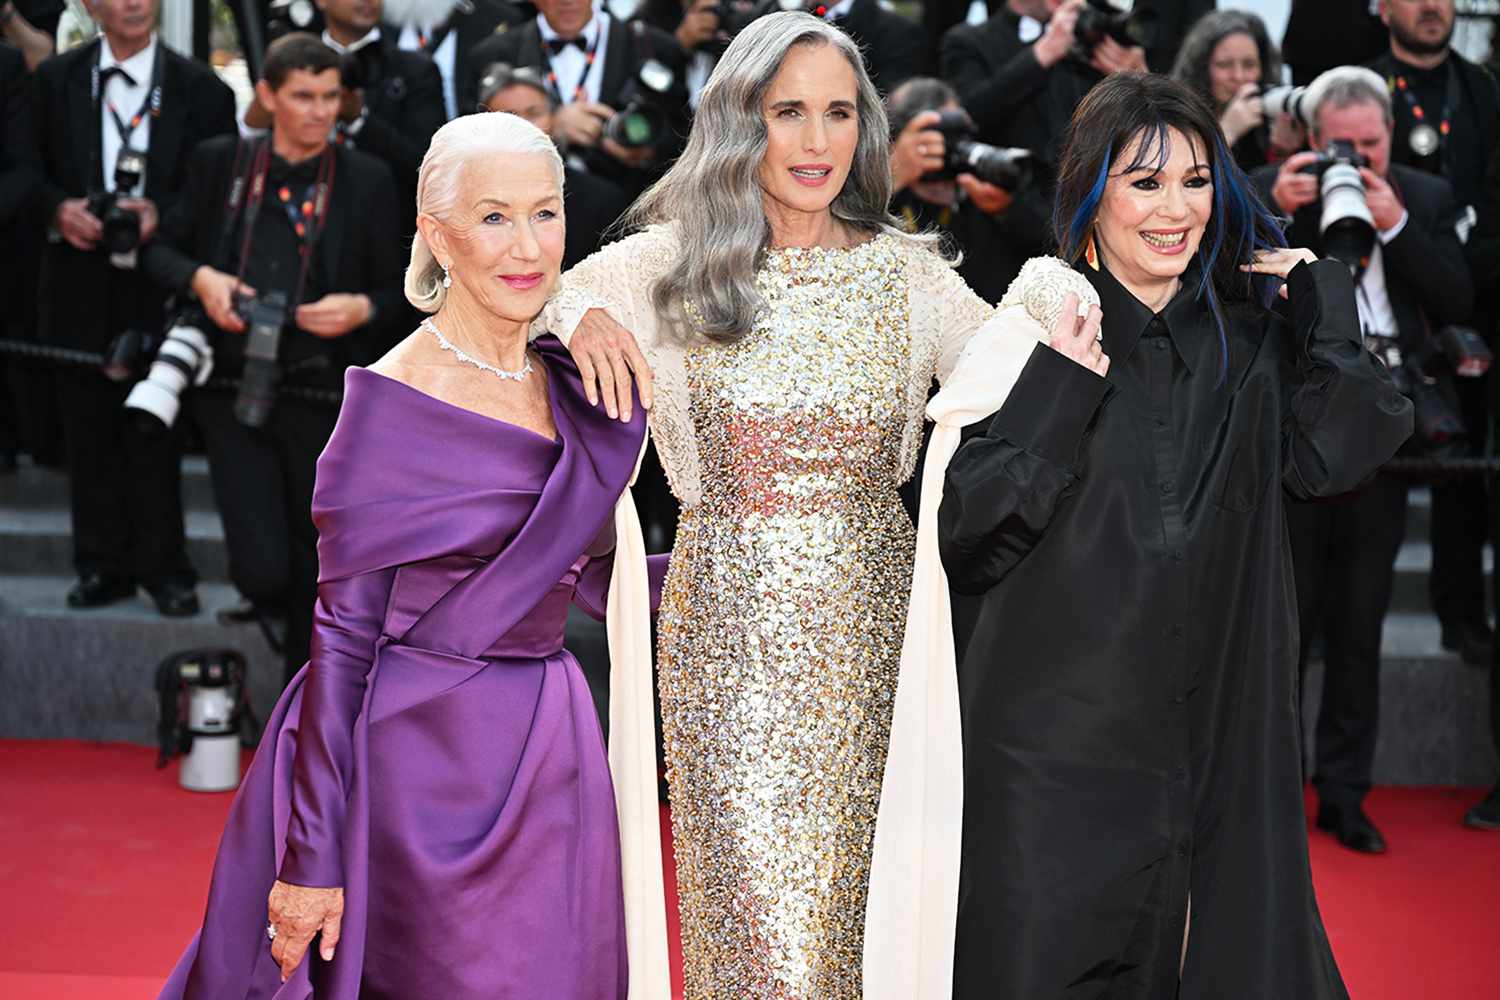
{"points": [[440, 757]]}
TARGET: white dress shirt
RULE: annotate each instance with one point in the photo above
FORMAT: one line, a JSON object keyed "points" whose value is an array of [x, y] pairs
{"points": [[1376, 315], [570, 65], [445, 56], [127, 98], [370, 38]]}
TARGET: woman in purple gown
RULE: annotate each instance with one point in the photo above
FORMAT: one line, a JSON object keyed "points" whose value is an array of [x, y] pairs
{"points": [[430, 812]]}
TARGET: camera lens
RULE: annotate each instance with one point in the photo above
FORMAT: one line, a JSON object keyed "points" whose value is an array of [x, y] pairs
{"points": [[1348, 227]]}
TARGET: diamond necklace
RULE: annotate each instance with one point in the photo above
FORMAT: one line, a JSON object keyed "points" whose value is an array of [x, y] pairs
{"points": [[447, 345]]}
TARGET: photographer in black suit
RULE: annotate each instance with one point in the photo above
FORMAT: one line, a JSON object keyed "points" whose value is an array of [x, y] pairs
{"points": [[1413, 282], [123, 109], [447, 31], [1447, 123], [314, 222], [592, 65]]}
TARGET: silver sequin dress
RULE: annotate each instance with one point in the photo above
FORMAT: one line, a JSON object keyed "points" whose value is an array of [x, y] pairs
{"points": [[785, 604]]}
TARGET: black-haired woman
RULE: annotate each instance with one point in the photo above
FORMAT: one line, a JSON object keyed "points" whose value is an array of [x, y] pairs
{"points": [[1128, 662]]}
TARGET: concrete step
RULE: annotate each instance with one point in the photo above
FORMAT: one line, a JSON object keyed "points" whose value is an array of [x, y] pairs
{"points": [[33, 487], [90, 674], [1413, 567], [38, 541]]}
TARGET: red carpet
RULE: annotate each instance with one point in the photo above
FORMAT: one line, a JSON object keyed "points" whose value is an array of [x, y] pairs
{"points": [[105, 861]]}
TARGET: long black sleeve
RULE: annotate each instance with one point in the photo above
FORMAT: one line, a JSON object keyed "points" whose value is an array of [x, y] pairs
{"points": [[1345, 417], [991, 97], [170, 259], [1431, 261], [18, 176], [1003, 486]]}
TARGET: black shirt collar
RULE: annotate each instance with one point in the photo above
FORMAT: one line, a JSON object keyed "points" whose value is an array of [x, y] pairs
{"points": [[281, 171], [1127, 319]]}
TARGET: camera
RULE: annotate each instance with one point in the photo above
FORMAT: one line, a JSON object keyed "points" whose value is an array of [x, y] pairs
{"points": [[644, 120], [1426, 378], [265, 317], [734, 16], [1285, 100], [122, 227], [184, 357], [1347, 226], [1010, 169], [1099, 20]]}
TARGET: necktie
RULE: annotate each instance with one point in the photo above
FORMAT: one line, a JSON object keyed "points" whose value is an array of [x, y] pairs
{"points": [[557, 45], [106, 74]]}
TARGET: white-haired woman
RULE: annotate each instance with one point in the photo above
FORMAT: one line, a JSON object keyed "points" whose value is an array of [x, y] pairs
{"points": [[431, 796], [793, 330]]}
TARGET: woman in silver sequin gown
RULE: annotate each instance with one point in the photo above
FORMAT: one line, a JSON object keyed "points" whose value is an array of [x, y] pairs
{"points": [[786, 418]]}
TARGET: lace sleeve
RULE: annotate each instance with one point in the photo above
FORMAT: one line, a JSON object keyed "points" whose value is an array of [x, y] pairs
{"points": [[617, 279]]}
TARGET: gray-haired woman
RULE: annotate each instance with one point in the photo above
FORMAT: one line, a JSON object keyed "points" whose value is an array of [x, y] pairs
{"points": [[793, 330]]}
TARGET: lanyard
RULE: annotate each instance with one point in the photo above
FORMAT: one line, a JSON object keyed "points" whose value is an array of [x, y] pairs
{"points": [[151, 105], [1425, 137], [580, 92], [308, 217], [429, 44]]}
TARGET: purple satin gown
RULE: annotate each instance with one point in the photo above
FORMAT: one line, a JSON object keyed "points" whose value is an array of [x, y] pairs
{"points": [[439, 757]]}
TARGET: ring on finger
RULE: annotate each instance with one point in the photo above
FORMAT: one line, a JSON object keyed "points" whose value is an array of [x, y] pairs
{"points": [[270, 932]]}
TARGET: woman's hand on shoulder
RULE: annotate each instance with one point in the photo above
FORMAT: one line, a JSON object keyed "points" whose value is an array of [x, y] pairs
{"points": [[609, 360], [297, 914], [1077, 337], [1279, 263]]}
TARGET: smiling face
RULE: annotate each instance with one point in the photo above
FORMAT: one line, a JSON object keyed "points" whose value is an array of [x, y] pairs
{"points": [[503, 238], [1151, 219], [1234, 62], [812, 130]]}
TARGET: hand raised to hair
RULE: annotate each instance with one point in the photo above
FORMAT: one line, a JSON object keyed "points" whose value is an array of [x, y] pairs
{"points": [[1279, 263]]}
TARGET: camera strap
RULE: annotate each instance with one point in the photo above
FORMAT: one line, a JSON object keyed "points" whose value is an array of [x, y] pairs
{"points": [[1426, 137], [151, 105], [590, 54], [311, 211]]}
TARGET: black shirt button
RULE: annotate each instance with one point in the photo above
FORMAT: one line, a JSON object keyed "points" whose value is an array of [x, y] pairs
{"points": [[1160, 422], [1178, 699], [1177, 555], [1166, 487], [1177, 631], [1181, 773]]}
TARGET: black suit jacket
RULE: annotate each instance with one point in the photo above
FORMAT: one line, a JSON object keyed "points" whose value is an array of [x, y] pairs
{"points": [[17, 174], [360, 249], [405, 100], [591, 204], [196, 105], [487, 17], [895, 47], [629, 45], [1426, 274], [1322, 34]]}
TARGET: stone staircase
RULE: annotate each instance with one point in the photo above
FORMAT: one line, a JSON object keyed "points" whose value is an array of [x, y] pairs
{"points": [[88, 674]]}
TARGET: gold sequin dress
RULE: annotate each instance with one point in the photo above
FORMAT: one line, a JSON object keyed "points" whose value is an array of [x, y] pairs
{"points": [[784, 607]]}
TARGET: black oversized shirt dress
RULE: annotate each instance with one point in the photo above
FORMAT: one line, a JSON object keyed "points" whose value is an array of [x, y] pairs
{"points": [[1127, 640]]}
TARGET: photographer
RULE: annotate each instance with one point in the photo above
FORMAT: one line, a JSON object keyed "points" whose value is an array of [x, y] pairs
{"points": [[1447, 113], [391, 102], [1412, 281], [114, 122], [702, 27], [1227, 59], [447, 32], [590, 204], [289, 244], [604, 76], [982, 220]]}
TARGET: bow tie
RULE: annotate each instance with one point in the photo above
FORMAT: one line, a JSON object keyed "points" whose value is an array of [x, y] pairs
{"points": [[112, 71], [556, 45]]}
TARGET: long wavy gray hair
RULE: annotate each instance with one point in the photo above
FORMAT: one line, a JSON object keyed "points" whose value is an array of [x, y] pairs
{"points": [[713, 195]]}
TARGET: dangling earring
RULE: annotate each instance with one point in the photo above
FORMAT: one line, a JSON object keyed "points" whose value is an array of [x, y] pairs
{"points": [[447, 278], [1091, 252]]}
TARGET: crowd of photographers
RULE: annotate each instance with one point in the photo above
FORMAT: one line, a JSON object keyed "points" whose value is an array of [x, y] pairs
{"points": [[182, 241]]}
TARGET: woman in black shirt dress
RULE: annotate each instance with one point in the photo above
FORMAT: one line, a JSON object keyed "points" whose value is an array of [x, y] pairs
{"points": [[1127, 648]]}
